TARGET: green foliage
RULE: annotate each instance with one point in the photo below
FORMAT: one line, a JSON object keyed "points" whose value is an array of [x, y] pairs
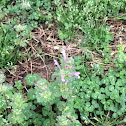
{"points": [[18, 85], [43, 93], [31, 78], [93, 94], [101, 93], [75, 17], [89, 93], [23, 17], [61, 35], [2, 78], [4, 122], [67, 121], [69, 116], [19, 110], [9, 53]]}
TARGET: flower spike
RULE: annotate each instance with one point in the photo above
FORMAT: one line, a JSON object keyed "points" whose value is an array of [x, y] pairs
{"points": [[76, 74], [64, 55], [66, 66], [62, 77], [56, 63]]}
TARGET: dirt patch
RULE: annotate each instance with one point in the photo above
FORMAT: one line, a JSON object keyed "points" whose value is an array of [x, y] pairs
{"points": [[44, 47], [119, 32]]}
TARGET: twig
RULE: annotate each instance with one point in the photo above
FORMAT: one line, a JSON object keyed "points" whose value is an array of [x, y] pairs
{"points": [[11, 72], [40, 58], [31, 67]]}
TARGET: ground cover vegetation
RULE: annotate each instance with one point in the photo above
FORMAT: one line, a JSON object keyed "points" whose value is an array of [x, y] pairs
{"points": [[87, 86]]}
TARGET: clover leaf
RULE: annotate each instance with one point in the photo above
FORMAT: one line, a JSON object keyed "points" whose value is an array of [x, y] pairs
{"points": [[36, 77], [29, 79]]}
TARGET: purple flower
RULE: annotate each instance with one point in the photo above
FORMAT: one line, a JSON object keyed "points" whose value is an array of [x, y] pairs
{"points": [[66, 66], [26, 4], [76, 74], [72, 67], [44, 88], [66, 82], [56, 63], [64, 55], [70, 61], [62, 77]]}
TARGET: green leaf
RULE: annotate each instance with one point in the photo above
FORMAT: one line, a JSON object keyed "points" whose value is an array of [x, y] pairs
{"points": [[88, 104], [61, 36], [120, 58], [18, 85], [23, 44], [5, 88], [46, 123], [119, 100], [115, 115], [102, 90], [94, 95], [77, 105], [2, 78], [36, 77], [29, 79], [101, 96], [112, 79], [87, 96], [95, 104], [31, 94], [61, 105], [111, 87], [9, 94]]}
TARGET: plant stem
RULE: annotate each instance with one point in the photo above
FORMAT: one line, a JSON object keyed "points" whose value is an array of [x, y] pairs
{"points": [[56, 115], [22, 17], [64, 107], [20, 36], [61, 112], [51, 114], [6, 103], [5, 99], [62, 2]]}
